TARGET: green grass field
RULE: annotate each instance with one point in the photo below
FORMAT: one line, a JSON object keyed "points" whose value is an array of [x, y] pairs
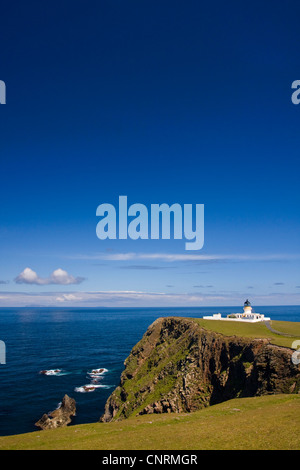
{"points": [[254, 330], [267, 422]]}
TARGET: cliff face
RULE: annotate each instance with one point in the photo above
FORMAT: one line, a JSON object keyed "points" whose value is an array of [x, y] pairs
{"points": [[180, 367]]}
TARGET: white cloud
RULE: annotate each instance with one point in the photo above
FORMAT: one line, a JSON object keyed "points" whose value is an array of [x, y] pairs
{"points": [[170, 257], [141, 299], [68, 297], [28, 276], [59, 276]]}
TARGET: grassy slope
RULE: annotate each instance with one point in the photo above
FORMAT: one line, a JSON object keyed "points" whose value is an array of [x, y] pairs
{"points": [[292, 328], [254, 330], [267, 422]]}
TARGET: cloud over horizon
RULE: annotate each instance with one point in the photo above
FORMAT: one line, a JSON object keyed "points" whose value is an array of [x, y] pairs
{"points": [[59, 276], [121, 298], [171, 257]]}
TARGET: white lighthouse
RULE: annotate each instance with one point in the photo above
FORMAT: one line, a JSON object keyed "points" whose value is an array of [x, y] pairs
{"points": [[247, 308], [247, 316]]}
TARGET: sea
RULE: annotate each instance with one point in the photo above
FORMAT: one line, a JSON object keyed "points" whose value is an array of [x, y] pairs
{"points": [[69, 344]]}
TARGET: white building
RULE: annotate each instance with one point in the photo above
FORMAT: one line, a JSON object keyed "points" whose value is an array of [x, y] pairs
{"points": [[246, 316]]}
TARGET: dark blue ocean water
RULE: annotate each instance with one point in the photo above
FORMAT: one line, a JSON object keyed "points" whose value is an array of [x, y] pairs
{"points": [[75, 341]]}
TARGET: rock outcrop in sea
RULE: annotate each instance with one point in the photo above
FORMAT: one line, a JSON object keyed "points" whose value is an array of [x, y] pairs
{"points": [[178, 366], [60, 417]]}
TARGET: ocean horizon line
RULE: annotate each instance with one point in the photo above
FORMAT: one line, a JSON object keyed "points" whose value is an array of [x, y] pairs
{"points": [[138, 307]]}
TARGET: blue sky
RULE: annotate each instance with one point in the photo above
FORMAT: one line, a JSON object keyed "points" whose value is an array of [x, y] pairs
{"points": [[164, 102]]}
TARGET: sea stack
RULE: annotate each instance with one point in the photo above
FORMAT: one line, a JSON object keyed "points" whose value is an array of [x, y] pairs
{"points": [[59, 417]]}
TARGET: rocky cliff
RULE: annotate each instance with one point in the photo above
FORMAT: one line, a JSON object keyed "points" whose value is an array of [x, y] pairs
{"points": [[180, 367], [60, 417]]}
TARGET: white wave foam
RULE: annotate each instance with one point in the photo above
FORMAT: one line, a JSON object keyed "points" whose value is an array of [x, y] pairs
{"points": [[51, 372], [90, 388], [97, 372]]}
